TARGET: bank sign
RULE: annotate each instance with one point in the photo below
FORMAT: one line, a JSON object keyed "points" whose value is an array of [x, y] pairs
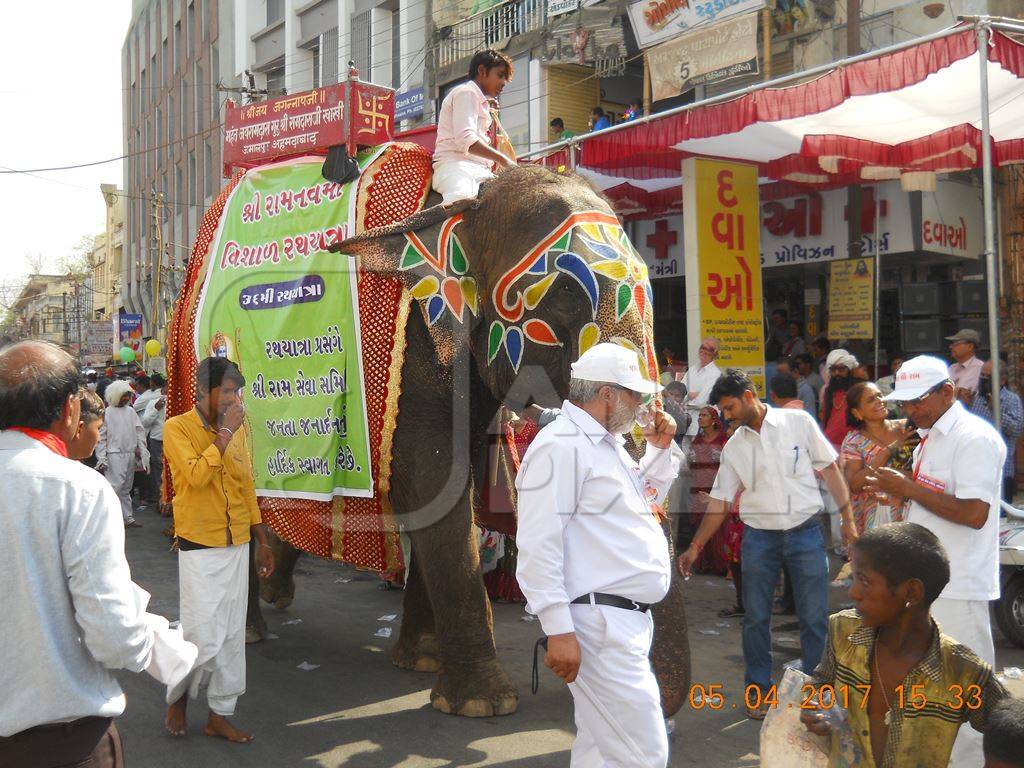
{"points": [[409, 104], [813, 227]]}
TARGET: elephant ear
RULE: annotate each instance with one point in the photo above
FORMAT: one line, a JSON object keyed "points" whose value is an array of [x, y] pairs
{"points": [[426, 253]]}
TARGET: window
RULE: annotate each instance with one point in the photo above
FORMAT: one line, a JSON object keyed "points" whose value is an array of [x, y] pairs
{"points": [[183, 107], [315, 52], [164, 65], [179, 188], [200, 86], [177, 45], [191, 30], [160, 149], [275, 11], [208, 170], [329, 57], [275, 81], [192, 199], [396, 50], [207, 10], [214, 79], [171, 114], [361, 44]]}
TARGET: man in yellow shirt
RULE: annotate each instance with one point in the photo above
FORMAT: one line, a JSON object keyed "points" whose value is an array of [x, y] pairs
{"points": [[215, 515]]}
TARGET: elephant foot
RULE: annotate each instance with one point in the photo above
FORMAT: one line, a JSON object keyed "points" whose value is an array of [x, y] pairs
{"points": [[424, 655], [483, 693], [278, 590]]}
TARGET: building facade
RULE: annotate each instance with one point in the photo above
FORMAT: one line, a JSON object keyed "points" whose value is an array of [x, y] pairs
{"points": [[105, 259], [291, 46], [53, 308], [183, 59], [175, 55]]}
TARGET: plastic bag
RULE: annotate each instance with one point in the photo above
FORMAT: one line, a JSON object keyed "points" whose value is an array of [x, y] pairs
{"points": [[786, 742]]}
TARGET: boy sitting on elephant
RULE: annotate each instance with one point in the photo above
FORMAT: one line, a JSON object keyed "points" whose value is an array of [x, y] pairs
{"points": [[463, 154]]}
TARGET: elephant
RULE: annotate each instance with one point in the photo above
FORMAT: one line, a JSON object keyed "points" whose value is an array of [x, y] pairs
{"points": [[549, 272]]}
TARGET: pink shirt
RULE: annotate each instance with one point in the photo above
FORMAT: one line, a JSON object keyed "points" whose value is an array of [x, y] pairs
{"points": [[966, 375], [464, 120]]}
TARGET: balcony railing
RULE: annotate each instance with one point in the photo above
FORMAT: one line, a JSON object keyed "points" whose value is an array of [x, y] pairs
{"points": [[483, 30]]}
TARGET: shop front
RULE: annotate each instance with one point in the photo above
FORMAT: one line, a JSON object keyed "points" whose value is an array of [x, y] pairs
{"points": [[931, 281]]}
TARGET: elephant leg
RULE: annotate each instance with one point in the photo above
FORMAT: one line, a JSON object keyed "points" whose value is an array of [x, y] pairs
{"points": [[417, 647], [471, 682], [279, 588], [670, 652]]}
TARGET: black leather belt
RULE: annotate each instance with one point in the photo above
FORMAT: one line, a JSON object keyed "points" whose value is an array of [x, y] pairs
{"points": [[600, 598]]}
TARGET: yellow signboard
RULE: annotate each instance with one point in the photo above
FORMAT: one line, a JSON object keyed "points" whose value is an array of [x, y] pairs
{"points": [[723, 280], [851, 299]]}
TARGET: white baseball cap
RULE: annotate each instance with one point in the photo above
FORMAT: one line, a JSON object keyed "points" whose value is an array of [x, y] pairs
{"points": [[616, 365], [918, 375]]}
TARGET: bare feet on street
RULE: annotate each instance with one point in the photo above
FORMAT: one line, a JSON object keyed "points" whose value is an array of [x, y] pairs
{"points": [[218, 726], [175, 720]]}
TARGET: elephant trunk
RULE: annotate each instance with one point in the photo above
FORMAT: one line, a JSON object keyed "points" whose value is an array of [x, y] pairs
{"points": [[670, 652]]}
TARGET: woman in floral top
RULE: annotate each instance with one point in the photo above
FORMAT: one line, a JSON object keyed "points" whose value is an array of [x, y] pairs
{"points": [[874, 441]]}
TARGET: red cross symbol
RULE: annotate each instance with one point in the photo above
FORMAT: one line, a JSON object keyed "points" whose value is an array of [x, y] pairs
{"points": [[867, 210], [662, 239]]}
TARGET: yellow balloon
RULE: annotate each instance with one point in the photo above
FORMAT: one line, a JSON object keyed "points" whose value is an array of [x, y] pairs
{"points": [[152, 347]]}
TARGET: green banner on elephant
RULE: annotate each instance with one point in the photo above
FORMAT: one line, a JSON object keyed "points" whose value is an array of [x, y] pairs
{"points": [[275, 302]]}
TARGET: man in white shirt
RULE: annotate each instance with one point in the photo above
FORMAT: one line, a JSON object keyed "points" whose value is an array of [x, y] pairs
{"points": [[153, 422], [463, 155], [122, 447], [771, 460], [143, 384], [966, 367], [699, 380], [593, 556], [954, 492], [71, 612]]}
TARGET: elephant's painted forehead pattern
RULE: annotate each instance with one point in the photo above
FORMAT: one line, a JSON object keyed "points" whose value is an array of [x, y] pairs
{"points": [[605, 252], [584, 247]]}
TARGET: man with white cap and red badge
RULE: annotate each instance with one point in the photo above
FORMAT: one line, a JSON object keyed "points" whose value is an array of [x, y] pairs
{"points": [[954, 492], [593, 557]]}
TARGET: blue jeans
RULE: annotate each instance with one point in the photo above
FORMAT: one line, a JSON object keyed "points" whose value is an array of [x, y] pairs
{"points": [[802, 550]]}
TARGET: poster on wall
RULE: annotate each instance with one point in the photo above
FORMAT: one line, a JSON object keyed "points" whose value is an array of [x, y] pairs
{"points": [[792, 17], [655, 21], [851, 294], [275, 302], [129, 332], [723, 284], [720, 52]]}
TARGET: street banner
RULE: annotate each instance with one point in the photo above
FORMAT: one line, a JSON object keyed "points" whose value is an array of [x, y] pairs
{"points": [[285, 311], [352, 113], [719, 52], [130, 332], [655, 21], [851, 299], [99, 341], [723, 282]]}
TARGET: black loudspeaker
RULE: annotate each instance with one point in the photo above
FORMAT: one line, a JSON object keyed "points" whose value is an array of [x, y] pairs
{"points": [[922, 334], [920, 299], [965, 297], [954, 324]]}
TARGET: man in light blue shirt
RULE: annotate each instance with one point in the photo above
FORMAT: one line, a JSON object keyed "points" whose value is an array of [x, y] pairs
{"points": [[1011, 421]]}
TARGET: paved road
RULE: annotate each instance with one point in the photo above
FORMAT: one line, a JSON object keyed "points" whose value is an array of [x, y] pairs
{"points": [[355, 710]]}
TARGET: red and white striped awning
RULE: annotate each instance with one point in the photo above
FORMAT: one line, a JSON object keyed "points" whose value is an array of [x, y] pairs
{"points": [[909, 114]]}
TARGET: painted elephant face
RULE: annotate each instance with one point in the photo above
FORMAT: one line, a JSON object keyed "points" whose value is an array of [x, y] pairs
{"points": [[531, 275]]}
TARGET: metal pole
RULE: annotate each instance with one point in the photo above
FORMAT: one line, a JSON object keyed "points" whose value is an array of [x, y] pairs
{"points": [[991, 274], [878, 276]]}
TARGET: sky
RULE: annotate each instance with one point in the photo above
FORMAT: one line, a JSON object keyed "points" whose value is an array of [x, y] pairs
{"points": [[60, 104]]}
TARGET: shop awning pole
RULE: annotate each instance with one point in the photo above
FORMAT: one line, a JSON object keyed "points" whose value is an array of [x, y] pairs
{"points": [[878, 277], [991, 273]]}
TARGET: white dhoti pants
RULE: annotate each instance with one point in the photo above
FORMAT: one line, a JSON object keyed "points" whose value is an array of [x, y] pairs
{"points": [[619, 723], [967, 622], [459, 179], [121, 474], [214, 594]]}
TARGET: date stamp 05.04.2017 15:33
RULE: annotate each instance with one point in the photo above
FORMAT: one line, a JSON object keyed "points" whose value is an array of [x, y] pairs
{"points": [[815, 697]]}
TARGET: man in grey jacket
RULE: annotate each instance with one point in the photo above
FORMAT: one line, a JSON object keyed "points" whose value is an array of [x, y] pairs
{"points": [[71, 611]]}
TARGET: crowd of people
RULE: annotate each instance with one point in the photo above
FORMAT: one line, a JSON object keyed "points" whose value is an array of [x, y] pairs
{"points": [[72, 612], [916, 499]]}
